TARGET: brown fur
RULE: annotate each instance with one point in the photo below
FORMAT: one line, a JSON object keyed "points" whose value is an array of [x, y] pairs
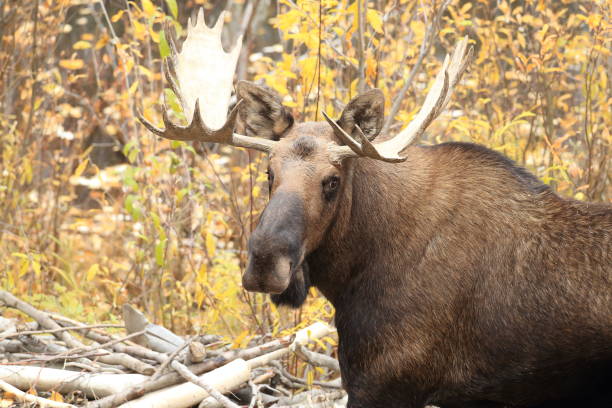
{"points": [[458, 278]]}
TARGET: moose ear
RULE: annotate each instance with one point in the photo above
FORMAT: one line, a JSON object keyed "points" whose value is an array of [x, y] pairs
{"points": [[262, 113], [366, 111]]}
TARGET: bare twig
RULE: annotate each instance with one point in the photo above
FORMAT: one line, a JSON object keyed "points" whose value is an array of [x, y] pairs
{"points": [[45, 321], [51, 331], [169, 379], [316, 359], [170, 359], [361, 12], [188, 375], [302, 382], [428, 41]]}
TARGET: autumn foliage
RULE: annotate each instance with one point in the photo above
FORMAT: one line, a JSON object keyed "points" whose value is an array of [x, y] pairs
{"points": [[96, 212]]}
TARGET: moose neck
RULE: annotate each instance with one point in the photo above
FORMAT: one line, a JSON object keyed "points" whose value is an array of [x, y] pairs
{"points": [[379, 207]]}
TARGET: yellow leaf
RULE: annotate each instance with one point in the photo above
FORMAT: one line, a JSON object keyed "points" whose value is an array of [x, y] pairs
{"points": [[36, 267], [117, 16], [81, 168], [71, 63], [374, 18], [201, 278], [81, 45], [140, 30], [104, 38], [56, 396], [210, 244], [148, 8], [133, 88], [238, 340], [92, 272]]}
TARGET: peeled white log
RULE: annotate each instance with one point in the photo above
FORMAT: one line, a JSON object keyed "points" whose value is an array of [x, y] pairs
{"points": [[222, 379], [25, 397], [47, 379]]}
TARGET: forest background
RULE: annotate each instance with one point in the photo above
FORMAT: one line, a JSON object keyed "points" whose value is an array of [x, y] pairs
{"points": [[96, 212]]}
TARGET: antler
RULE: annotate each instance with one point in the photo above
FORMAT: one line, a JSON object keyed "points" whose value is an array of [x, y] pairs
{"points": [[435, 101], [204, 74]]}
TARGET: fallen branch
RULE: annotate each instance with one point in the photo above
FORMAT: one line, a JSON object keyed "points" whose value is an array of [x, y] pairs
{"points": [[64, 381], [219, 371], [25, 397], [45, 321], [256, 357], [199, 381], [316, 359], [170, 379], [60, 329], [185, 395]]}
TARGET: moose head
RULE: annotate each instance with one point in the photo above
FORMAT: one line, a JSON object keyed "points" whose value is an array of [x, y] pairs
{"points": [[310, 164]]}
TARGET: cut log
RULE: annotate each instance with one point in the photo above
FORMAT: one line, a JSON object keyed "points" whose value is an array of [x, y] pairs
{"points": [[223, 379], [64, 381]]}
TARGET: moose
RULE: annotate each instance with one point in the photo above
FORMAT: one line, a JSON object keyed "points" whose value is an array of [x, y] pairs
{"points": [[458, 278]]}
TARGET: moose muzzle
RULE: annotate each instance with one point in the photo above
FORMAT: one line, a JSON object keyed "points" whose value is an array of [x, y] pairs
{"points": [[275, 247]]}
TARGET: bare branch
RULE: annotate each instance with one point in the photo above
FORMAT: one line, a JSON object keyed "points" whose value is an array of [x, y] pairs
{"points": [[428, 41], [361, 11], [25, 397]]}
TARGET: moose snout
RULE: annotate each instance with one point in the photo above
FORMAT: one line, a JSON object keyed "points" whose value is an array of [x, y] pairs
{"points": [[272, 277], [275, 247]]}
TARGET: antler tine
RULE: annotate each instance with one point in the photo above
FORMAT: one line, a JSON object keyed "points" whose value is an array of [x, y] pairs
{"points": [[202, 72], [435, 101]]}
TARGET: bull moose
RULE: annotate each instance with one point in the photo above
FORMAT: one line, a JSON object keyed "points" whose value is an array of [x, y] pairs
{"points": [[458, 278]]}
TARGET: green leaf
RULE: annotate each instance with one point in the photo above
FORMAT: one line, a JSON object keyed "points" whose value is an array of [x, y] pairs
{"points": [[164, 47], [173, 102], [132, 207], [173, 8], [160, 250], [128, 178]]}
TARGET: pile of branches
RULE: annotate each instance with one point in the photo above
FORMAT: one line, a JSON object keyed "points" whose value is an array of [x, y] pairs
{"points": [[152, 367]]}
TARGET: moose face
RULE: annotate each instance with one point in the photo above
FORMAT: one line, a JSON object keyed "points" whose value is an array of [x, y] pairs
{"points": [[306, 181], [305, 188], [309, 162]]}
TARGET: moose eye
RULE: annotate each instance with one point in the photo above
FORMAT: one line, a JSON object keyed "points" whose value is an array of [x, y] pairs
{"points": [[330, 187]]}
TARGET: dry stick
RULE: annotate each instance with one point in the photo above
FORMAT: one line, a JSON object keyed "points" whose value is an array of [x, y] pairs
{"points": [[313, 400], [45, 321], [133, 349], [361, 44], [109, 343], [316, 359], [25, 397], [92, 369], [169, 379], [428, 41], [51, 331], [38, 345], [65, 381], [188, 375], [169, 359], [26, 359], [42, 318], [300, 381], [255, 356]]}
